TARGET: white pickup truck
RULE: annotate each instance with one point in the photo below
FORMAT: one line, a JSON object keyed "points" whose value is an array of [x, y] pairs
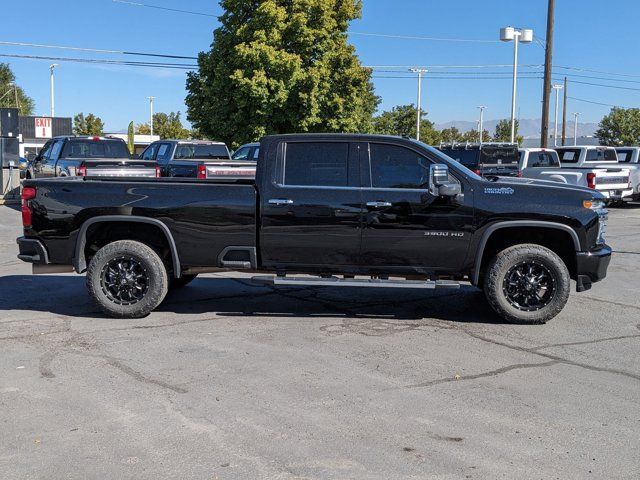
{"points": [[629, 157], [548, 164]]}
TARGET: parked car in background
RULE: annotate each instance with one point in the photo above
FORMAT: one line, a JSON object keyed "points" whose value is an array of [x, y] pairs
{"points": [[599, 168], [630, 157], [198, 159], [87, 156], [485, 159], [248, 152]]}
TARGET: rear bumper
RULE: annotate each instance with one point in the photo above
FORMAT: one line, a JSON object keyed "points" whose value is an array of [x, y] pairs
{"points": [[32, 251], [624, 194], [591, 267]]}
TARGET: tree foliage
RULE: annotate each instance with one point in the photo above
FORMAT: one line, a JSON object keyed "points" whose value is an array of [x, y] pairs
{"points": [[280, 66], [621, 126], [89, 125], [472, 136], [11, 95], [166, 126], [401, 120], [451, 134], [503, 131]]}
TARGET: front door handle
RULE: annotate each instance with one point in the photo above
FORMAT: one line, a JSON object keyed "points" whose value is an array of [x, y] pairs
{"points": [[378, 204], [280, 201]]}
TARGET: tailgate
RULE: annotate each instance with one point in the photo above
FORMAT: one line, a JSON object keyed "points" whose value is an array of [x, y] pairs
{"points": [[612, 179], [120, 168], [230, 170]]}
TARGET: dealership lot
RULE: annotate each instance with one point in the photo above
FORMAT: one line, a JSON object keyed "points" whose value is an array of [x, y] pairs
{"points": [[229, 379]]}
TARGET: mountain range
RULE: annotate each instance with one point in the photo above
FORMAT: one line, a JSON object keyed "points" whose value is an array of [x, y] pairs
{"points": [[528, 127]]}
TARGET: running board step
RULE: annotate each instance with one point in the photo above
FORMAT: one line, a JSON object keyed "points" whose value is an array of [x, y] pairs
{"points": [[354, 282]]}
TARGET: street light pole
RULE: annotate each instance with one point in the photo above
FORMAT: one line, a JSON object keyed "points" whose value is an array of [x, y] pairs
{"points": [[575, 128], [151, 115], [53, 102], [419, 71], [480, 127], [509, 34], [557, 88]]}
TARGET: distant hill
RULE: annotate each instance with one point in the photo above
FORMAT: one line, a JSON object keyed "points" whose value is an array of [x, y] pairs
{"points": [[528, 127]]}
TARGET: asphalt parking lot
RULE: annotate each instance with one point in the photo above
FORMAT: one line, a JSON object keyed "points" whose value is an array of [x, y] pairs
{"points": [[234, 380]]}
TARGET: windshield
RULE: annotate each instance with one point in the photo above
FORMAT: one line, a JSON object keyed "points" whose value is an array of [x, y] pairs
{"points": [[201, 152], [76, 148]]}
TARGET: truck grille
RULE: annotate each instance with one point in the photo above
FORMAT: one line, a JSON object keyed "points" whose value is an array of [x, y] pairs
{"points": [[612, 180]]}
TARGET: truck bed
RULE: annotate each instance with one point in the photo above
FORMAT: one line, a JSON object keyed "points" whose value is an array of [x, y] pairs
{"points": [[203, 216]]}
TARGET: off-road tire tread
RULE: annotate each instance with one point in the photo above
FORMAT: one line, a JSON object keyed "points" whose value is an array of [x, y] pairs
{"points": [[508, 257]]}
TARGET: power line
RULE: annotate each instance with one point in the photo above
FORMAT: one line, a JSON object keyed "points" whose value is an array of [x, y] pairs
{"points": [[96, 50], [414, 37], [137, 4], [591, 101], [182, 66]]}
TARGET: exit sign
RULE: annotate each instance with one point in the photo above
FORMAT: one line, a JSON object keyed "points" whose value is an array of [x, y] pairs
{"points": [[43, 127]]}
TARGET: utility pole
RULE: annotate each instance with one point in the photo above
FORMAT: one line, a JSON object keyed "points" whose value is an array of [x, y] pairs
{"points": [[575, 128], [564, 113], [151, 115], [419, 71], [544, 128], [480, 126], [53, 102], [557, 88]]}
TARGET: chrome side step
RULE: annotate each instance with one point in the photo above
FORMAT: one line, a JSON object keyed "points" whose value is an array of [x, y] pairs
{"points": [[353, 282]]}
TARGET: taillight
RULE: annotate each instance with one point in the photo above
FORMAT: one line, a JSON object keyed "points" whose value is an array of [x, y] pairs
{"points": [[158, 172], [519, 174], [202, 171], [81, 171], [591, 180], [28, 193]]}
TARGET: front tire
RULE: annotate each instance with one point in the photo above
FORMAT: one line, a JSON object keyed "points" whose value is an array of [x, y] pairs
{"points": [[527, 284], [127, 279]]}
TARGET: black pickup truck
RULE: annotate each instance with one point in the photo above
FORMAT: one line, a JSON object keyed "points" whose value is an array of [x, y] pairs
{"points": [[336, 206]]}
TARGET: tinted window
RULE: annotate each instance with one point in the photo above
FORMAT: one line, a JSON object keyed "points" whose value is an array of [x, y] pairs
{"points": [[494, 155], [150, 152], [569, 155], [601, 155], [397, 167], [95, 149], [241, 154], [317, 163], [543, 159], [55, 150], [468, 158], [46, 150], [188, 151], [256, 153], [163, 153], [624, 156]]}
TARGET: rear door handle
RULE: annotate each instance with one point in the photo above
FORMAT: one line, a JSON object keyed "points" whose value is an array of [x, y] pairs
{"points": [[280, 201], [378, 204]]}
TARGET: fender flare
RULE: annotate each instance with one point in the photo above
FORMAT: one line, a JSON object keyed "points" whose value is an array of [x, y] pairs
{"points": [[517, 223], [79, 260]]}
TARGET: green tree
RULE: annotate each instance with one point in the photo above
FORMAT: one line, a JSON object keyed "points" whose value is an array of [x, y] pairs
{"points": [[89, 125], [472, 136], [620, 127], [166, 126], [131, 139], [503, 131], [451, 134], [278, 66], [401, 120], [11, 95]]}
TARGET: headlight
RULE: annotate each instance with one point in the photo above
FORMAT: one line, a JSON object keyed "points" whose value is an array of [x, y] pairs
{"points": [[594, 204], [598, 206]]}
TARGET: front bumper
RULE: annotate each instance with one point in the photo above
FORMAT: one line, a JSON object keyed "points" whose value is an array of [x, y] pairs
{"points": [[591, 267], [32, 251]]}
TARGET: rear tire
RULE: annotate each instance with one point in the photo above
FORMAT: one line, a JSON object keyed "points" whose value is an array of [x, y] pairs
{"points": [[527, 284], [127, 279], [175, 283]]}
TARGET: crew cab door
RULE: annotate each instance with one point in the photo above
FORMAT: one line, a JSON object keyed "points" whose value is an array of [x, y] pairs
{"points": [[310, 208], [404, 226]]}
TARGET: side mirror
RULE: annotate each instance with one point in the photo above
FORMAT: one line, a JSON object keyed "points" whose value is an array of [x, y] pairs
{"points": [[439, 183]]}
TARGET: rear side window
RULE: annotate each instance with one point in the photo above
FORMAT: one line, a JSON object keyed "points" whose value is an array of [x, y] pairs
{"points": [[397, 167], [317, 163], [624, 156], [569, 155], [543, 159]]}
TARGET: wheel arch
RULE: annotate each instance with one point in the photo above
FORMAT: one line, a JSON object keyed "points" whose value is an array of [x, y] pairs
{"points": [[520, 226], [79, 259]]}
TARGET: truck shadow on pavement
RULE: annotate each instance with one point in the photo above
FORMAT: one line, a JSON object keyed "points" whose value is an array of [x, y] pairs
{"points": [[66, 295]]}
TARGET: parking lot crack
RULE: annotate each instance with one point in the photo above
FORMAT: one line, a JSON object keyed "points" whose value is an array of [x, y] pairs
{"points": [[585, 342]]}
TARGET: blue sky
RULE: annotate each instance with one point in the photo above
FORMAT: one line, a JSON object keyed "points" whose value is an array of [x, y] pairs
{"points": [[590, 34]]}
